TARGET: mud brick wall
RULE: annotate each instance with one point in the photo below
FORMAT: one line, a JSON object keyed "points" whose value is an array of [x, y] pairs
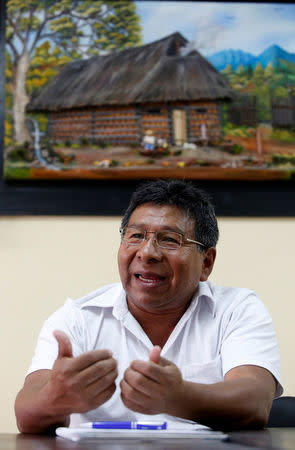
{"points": [[116, 125], [155, 117], [119, 124], [204, 113], [70, 125]]}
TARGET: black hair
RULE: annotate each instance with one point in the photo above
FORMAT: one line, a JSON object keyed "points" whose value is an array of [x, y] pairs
{"points": [[185, 196]]}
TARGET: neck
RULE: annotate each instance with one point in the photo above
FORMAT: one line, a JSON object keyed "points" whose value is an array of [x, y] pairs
{"points": [[157, 325]]}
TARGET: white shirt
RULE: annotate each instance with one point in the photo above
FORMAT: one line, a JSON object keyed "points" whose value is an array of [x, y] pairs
{"points": [[223, 328]]}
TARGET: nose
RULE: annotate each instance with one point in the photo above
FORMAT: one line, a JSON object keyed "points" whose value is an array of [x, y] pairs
{"points": [[149, 248]]}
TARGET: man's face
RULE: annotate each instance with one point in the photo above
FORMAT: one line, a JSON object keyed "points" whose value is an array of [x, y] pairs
{"points": [[158, 279]]}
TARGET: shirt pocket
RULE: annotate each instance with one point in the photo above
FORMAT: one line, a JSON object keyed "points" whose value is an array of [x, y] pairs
{"points": [[209, 372]]}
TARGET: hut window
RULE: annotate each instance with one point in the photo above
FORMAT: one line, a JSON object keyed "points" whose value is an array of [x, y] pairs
{"points": [[154, 111], [201, 110]]}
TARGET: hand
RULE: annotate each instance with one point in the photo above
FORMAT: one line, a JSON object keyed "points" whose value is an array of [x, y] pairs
{"points": [[82, 383], [152, 387]]}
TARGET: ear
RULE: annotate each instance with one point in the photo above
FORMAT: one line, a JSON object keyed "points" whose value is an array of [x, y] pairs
{"points": [[208, 263]]}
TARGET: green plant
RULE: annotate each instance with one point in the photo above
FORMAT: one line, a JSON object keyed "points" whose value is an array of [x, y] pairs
{"points": [[46, 141], [237, 149], [201, 162], [283, 135], [75, 145], [21, 153], [177, 152], [234, 130], [59, 144], [84, 142], [280, 158], [20, 173], [103, 144]]}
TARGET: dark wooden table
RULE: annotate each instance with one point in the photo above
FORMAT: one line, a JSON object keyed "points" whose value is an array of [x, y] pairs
{"points": [[275, 438]]}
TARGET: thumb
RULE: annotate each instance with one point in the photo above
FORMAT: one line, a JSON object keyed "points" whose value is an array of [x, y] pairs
{"points": [[64, 344], [155, 354]]}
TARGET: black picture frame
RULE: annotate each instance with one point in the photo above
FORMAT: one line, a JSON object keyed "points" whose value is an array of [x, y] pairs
{"points": [[110, 197]]}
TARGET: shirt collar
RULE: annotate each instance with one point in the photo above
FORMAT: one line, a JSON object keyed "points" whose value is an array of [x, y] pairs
{"points": [[104, 297], [205, 291], [115, 296]]}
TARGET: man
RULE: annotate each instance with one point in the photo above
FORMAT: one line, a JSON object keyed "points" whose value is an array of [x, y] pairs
{"points": [[165, 342]]}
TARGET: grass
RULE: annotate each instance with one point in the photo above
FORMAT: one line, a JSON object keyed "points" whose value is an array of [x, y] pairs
{"points": [[16, 173], [242, 131], [283, 135]]}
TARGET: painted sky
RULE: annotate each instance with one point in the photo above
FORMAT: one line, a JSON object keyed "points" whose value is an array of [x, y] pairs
{"points": [[213, 26]]}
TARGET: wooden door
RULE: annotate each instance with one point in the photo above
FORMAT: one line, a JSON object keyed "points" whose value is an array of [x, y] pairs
{"points": [[179, 126]]}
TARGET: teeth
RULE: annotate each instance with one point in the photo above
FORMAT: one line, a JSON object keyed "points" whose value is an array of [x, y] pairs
{"points": [[146, 279], [149, 280]]}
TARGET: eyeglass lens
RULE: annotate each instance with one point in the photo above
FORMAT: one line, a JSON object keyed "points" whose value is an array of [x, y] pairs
{"points": [[165, 238]]}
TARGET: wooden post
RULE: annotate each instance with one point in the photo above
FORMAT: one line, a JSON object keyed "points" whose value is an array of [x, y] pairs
{"points": [[188, 123], [93, 126], [170, 124], [139, 123], [258, 146]]}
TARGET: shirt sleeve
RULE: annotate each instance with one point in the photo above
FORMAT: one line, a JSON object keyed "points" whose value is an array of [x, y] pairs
{"points": [[250, 339], [46, 350]]}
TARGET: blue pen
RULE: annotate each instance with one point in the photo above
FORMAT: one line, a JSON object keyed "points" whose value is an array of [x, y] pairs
{"points": [[109, 425]]}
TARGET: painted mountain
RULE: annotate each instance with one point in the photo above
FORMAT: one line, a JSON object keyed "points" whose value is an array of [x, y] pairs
{"points": [[273, 54]]}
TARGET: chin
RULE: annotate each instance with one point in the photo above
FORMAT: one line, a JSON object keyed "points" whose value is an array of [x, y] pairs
{"points": [[147, 302]]}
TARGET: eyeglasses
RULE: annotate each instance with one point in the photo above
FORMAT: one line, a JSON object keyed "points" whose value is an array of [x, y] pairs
{"points": [[170, 240]]}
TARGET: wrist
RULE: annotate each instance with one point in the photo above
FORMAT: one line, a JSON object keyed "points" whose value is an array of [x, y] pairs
{"points": [[180, 403], [53, 412]]}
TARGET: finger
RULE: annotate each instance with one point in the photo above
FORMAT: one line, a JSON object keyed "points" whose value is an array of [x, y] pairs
{"points": [[136, 403], [139, 382], [138, 408], [64, 344], [96, 371], [89, 358], [155, 354], [93, 400], [102, 384], [149, 369], [131, 395], [105, 395], [165, 362]]}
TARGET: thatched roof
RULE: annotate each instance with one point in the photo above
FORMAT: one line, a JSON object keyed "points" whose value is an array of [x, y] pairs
{"points": [[151, 73]]}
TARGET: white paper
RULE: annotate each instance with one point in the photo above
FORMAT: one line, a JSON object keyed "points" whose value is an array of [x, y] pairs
{"points": [[174, 430]]}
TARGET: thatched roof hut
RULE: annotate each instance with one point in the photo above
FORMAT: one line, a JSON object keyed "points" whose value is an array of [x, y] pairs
{"points": [[154, 72], [117, 97]]}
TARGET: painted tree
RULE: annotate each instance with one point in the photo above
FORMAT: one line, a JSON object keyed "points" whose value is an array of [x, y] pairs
{"points": [[241, 71], [45, 65], [249, 72], [258, 73], [78, 28], [269, 71]]}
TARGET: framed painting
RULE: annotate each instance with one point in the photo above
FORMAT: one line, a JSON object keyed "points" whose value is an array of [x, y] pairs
{"points": [[98, 97]]}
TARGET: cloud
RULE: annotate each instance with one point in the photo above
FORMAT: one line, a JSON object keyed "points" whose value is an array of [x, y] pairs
{"points": [[214, 26]]}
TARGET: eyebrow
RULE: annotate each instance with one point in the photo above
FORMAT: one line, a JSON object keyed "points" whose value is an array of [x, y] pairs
{"points": [[168, 228]]}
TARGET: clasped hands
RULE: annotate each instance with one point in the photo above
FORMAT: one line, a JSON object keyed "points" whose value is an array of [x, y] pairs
{"points": [[79, 384]]}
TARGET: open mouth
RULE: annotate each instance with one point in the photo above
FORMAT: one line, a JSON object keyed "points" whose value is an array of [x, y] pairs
{"points": [[150, 278]]}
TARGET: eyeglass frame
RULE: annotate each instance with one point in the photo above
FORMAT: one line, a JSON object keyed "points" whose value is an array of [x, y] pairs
{"points": [[184, 240]]}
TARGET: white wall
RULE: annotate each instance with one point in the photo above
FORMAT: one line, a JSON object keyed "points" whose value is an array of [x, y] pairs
{"points": [[46, 259]]}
